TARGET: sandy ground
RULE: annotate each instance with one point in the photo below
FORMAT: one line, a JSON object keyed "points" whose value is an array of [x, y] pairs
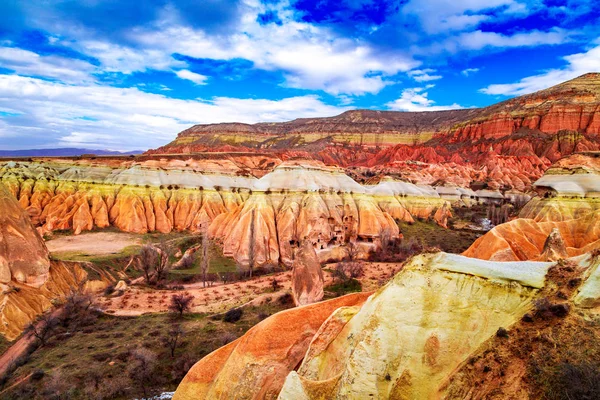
{"points": [[221, 297], [95, 243]]}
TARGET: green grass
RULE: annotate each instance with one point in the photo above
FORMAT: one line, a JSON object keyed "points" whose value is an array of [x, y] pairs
{"points": [[96, 258], [218, 264], [429, 234], [4, 344], [92, 349], [344, 287]]}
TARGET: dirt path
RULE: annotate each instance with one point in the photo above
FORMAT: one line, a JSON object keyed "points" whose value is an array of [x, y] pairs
{"points": [[13, 352], [221, 297], [95, 243]]}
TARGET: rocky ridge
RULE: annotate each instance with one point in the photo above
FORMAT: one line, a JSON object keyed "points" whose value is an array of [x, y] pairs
{"points": [[258, 221], [507, 144], [30, 282]]}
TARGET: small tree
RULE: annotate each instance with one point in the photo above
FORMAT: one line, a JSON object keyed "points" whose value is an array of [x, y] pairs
{"points": [[181, 303], [43, 328], [162, 265], [77, 310], [141, 367], [154, 262], [385, 240], [147, 260], [174, 338]]}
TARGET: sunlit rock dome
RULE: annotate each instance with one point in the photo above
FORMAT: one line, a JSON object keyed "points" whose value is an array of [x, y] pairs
{"points": [[310, 177]]}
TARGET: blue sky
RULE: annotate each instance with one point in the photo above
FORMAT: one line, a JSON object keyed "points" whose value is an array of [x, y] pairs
{"points": [[123, 75]]}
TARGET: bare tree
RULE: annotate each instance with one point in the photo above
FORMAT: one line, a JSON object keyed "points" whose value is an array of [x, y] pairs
{"points": [[251, 246], [147, 260], [141, 367], [43, 328], [174, 338], [205, 260], [154, 262], [77, 310], [181, 303], [353, 251], [162, 265], [385, 240]]}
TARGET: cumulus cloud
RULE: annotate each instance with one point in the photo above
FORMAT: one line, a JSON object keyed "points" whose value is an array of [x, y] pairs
{"points": [[424, 75], [310, 57], [98, 116], [25, 62], [416, 99], [437, 16], [198, 79], [577, 64]]}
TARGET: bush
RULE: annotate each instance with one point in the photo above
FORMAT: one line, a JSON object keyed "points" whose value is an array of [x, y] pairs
{"points": [[110, 289], [574, 381], [233, 315], [38, 374], [286, 299], [181, 303], [227, 338]]}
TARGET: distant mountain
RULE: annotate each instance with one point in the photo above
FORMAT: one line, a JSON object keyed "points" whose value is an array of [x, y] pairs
{"points": [[63, 152]]}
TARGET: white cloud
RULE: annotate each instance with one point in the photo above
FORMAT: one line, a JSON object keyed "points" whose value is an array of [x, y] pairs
{"points": [[416, 99], [478, 40], [25, 62], [438, 16], [198, 79], [578, 64], [310, 57], [424, 75], [127, 118], [469, 71]]}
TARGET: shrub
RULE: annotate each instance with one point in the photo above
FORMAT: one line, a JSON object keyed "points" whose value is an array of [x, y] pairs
{"points": [[233, 315], [110, 289], [227, 337], [286, 299], [574, 381], [181, 303], [38, 374]]}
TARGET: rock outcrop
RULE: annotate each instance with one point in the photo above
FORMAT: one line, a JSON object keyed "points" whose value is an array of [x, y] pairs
{"points": [[563, 221], [255, 365], [29, 281], [405, 342], [23, 254], [307, 276]]}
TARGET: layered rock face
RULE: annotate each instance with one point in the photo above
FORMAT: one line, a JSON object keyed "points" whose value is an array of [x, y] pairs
{"points": [[23, 254], [563, 221], [301, 201], [29, 282], [255, 365], [405, 342], [258, 221], [509, 144]]}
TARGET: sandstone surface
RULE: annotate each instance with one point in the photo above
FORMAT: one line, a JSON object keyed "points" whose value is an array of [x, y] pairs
{"points": [[23, 254], [307, 276], [562, 221], [255, 365]]}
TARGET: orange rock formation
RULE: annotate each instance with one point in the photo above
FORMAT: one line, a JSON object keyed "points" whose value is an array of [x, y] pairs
{"points": [[255, 365], [307, 276]]}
